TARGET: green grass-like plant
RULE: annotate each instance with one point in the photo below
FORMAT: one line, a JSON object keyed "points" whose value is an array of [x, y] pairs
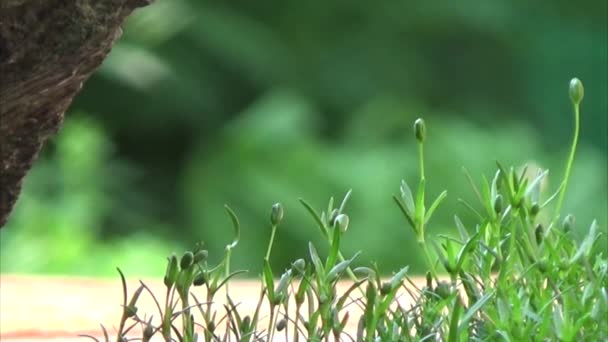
{"points": [[516, 274]]}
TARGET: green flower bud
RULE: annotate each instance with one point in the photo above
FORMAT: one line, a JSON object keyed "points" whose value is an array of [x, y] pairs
{"points": [[200, 256], [299, 265], [568, 223], [281, 324], [186, 260], [245, 324], [276, 215], [577, 92], [306, 324], [420, 130], [199, 280], [498, 204], [538, 233], [172, 270], [210, 326], [323, 298], [148, 331], [385, 288], [342, 222], [198, 246], [443, 289], [534, 209], [131, 308]]}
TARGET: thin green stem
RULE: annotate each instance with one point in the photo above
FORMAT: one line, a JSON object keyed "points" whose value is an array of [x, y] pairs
{"points": [[429, 260], [227, 267], [421, 159], [187, 319], [271, 323], [564, 184], [274, 229]]}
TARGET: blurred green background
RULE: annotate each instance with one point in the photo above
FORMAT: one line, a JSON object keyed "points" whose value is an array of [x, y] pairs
{"points": [[247, 103]]}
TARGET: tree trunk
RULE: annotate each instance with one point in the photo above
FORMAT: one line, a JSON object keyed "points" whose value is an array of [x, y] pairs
{"points": [[48, 48]]}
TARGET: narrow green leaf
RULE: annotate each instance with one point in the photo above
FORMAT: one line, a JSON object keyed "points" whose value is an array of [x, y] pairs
{"points": [[488, 201], [467, 248], [269, 280], [302, 288], [368, 312], [340, 267], [464, 323], [533, 190], [470, 207], [454, 319], [472, 183], [368, 272], [340, 303], [435, 204], [407, 197], [587, 244], [235, 225], [444, 260], [345, 200], [397, 279], [284, 282], [495, 184], [316, 261], [316, 216], [330, 207], [464, 235], [333, 249], [420, 209], [408, 217], [230, 276]]}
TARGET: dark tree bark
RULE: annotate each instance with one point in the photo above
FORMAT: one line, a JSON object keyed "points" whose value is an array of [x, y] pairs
{"points": [[48, 48]]}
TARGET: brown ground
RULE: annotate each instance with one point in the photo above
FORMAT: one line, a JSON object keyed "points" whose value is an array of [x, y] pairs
{"points": [[58, 309]]}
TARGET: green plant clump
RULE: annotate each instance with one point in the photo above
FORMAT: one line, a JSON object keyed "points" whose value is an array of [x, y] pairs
{"points": [[517, 274]]}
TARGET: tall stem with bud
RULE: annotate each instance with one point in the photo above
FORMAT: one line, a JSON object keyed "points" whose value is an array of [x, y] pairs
{"points": [[577, 93]]}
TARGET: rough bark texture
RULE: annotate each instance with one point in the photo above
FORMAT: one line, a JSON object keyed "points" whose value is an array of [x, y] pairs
{"points": [[48, 48]]}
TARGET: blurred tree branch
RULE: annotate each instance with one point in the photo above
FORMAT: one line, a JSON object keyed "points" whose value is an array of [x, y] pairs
{"points": [[48, 48]]}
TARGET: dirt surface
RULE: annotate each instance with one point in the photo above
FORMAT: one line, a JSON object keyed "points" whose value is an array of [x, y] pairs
{"points": [[59, 309]]}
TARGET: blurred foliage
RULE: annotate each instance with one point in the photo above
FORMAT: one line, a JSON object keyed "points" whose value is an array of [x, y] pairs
{"points": [[206, 103]]}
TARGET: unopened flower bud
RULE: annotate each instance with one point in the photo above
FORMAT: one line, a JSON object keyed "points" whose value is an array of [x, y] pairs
{"points": [[186, 260], [568, 223], [342, 222], [385, 288], [245, 324], [420, 130], [172, 270], [498, 204], [534, 209], [276, 214], [443, 290], [538, 233], [148, 331], [281, 324], [299, 265], [131, 308], [201, 256], [577, 92], [199, 280]]}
